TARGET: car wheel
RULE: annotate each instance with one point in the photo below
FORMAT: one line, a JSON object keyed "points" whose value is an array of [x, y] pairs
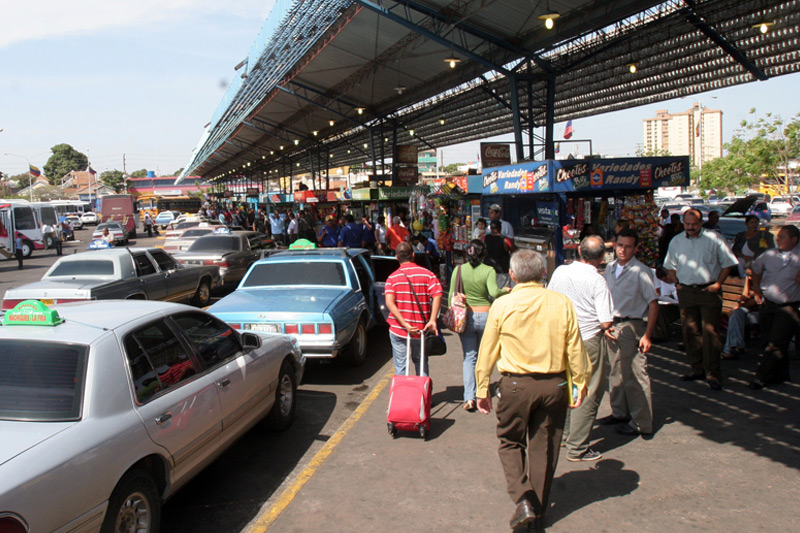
{"points": [[282, 414], [356, 349], [203, 294], [27, 248], [48, 242], [135, 505]]}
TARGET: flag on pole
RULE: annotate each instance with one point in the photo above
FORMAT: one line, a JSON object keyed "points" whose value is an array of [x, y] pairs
{"points": [[92, 171], [568, 130], [35, 172], [558, 147]]}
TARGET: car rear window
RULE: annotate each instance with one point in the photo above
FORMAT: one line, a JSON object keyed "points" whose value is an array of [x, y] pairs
{"points": [[92, 267], [214, 243], [196, 232], [41, 381], [296, 273]]}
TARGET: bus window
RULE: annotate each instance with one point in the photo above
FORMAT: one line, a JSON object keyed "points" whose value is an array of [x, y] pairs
{"points": [[23, 217]]}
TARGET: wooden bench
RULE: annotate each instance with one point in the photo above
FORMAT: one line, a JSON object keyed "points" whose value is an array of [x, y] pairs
{"points": [[732, 290]]}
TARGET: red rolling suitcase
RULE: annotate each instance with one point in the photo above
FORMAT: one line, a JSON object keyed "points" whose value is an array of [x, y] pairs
{"points": [[410, 398]]}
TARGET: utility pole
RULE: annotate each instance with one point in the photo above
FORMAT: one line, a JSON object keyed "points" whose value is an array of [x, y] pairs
{"points": [[124, 174]]}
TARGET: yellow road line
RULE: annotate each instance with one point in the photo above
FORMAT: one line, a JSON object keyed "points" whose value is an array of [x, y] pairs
{"points": [[267, 519]]}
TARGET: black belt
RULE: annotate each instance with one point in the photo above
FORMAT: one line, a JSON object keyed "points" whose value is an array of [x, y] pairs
{"points": [[618, 319], [532, 375], [790, 304], [698, 286]]}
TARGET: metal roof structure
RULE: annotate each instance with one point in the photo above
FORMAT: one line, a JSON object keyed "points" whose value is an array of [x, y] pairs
{"points": [[331, 83]]}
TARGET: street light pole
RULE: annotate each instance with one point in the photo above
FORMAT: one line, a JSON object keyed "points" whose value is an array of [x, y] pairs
{"points": [[30, 176]]}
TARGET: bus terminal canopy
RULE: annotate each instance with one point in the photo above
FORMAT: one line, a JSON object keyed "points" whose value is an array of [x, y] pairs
{"points": [[331, 83]]}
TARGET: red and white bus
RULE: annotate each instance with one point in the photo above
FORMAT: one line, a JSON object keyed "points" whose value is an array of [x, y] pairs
{"points": [[19, 217]]}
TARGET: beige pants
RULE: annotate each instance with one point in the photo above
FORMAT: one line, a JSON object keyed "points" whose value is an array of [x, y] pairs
{"points": [[629, 382]]}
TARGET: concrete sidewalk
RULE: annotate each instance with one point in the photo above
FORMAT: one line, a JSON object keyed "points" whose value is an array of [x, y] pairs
{"points": [[719, 461]]}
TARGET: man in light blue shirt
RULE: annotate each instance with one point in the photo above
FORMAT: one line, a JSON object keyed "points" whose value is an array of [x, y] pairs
{"points": [[698, 262], [277, 228]]}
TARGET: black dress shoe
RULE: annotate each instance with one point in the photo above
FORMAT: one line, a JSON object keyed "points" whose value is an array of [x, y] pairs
{"points": [[756, 385], [610, 420], [626, 429], [714, 384], [692, 377], [523, 516]]}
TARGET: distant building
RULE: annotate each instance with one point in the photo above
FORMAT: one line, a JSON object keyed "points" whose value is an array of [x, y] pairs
{"points": [[426, 161], [696, 133]]}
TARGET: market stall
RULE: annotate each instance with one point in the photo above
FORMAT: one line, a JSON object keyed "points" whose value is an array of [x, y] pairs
{"points": [[553, 204]]}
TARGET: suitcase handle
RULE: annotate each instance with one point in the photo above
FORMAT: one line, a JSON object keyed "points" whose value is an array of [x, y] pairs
{"points": [[421, 353]]}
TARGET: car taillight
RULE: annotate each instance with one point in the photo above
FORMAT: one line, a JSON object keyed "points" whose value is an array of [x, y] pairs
{"points": [[70, 300], [10, 304], [291, 329], [12, 524], [222, 263], [307, 329], [326, 328]]}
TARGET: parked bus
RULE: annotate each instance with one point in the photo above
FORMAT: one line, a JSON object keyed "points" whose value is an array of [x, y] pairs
{"points": [[65, 207], [46, 214], [119, 208], [155, 204], [19, 218]]}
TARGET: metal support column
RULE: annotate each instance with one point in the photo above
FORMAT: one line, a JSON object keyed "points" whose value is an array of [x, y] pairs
{"points": [[549, 114], [512, 80], [372, 155], [530, 120]]}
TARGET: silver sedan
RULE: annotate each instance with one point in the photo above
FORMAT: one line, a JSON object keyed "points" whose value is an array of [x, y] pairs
{"points": [[107, 408]]}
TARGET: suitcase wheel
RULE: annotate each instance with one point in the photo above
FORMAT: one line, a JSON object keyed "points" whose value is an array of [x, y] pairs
{"points": [[423, 432], [392, 429]]}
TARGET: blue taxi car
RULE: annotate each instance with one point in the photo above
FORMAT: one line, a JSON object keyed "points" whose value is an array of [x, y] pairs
{"points": [[109, 407], [327, 298]]}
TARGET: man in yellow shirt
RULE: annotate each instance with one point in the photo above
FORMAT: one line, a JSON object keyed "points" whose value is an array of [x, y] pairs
{"points": [[532, 335]]}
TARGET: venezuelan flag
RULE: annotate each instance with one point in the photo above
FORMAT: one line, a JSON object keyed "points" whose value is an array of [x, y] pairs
{"points": [[35, 172]]}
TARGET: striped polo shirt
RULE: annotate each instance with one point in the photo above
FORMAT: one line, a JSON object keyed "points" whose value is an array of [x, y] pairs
{"points": [[426, 286]]}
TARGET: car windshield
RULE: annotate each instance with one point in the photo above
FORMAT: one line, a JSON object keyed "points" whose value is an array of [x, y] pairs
{"points": [[196, 232], [41, 381], [223, 243], [299, 272], [110, 227], [92, 267]]}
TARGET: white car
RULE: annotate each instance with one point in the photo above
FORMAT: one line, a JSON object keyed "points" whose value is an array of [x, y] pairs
{"points": [[90, 218], [107, 408], [781, 206], [75, 221]]}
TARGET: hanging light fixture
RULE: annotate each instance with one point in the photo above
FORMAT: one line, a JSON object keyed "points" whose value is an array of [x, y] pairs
{"points": [[632, 67], [360, 110], [764, 26], [315, 133], [331, 123], [296, 142], [441, 121], [549, 16], [411, 132], [452, 60]]}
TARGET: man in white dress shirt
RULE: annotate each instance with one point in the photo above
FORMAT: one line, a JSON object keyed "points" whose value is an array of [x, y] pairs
{"points": [[589, 293], [494, 214]]}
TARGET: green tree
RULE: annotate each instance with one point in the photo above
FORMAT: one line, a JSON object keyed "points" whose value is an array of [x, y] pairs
{"points": [[657, 152], [48, 192], [139, 173], [65, 159], [177, 172], [23, 180], [452, 168], [113, 179]]}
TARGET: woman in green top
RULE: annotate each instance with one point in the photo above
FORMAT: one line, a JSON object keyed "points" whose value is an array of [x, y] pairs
{"points": [[480, 282]]}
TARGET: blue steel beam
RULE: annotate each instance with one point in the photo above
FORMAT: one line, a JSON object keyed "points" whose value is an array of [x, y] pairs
{"points": [[382, 11]]}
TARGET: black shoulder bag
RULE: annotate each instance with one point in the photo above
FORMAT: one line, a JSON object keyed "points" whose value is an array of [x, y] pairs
{"points": [[434, 344]]}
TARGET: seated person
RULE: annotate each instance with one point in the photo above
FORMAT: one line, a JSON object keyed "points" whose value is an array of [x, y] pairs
{"points": [[746, 313], [668, 311]]}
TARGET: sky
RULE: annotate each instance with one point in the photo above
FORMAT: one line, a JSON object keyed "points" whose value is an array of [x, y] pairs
{"points": [[141, 79]]}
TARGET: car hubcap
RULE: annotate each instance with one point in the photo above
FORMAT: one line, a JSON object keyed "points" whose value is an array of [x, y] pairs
{"points": [[286, 395], [134, 515], [204, 293]]}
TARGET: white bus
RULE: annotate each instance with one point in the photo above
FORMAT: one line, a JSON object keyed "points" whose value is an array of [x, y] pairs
{"points": [[19, 218], [64, 207], [46, 214]]}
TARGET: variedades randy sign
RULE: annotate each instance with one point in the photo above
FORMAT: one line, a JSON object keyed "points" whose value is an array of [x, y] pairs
{"points": [[587, 175]]}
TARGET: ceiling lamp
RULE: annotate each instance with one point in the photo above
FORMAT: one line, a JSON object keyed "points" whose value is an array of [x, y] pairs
{"points": [[331, 123], [296, 142], [632, 67], [549, 16], [281, 147], [441, 121], [366, 145], [400, 89], [360, 110], [411, 132], [763, 26], [452, 61]]}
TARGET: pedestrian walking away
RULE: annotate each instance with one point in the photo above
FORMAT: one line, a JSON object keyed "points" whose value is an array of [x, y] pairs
{"points": [[479, 283], [18, 250], [698, 262], [776, 283], [635, 299], [587, 289], [532, 401], [408, 317]]}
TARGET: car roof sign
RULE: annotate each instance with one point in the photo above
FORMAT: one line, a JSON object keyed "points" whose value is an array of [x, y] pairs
{"points": [[222, 231], [302, 244], [32, 313]]}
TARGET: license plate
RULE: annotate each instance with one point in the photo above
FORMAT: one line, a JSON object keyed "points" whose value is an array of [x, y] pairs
{"points": [[47, 302], [264, 328]]}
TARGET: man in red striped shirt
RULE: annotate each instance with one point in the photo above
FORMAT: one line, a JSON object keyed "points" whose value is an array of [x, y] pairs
{"points": [[407, 318]]}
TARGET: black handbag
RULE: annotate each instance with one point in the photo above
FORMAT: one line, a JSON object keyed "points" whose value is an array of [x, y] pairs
{"points": [[434, 344]]}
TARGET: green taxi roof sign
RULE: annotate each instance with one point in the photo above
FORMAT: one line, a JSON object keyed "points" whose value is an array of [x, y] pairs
{"points": [[302, 244], [32, 313]]}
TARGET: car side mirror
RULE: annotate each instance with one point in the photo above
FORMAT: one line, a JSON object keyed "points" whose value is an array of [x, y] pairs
{"points": [[250, 341]]}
